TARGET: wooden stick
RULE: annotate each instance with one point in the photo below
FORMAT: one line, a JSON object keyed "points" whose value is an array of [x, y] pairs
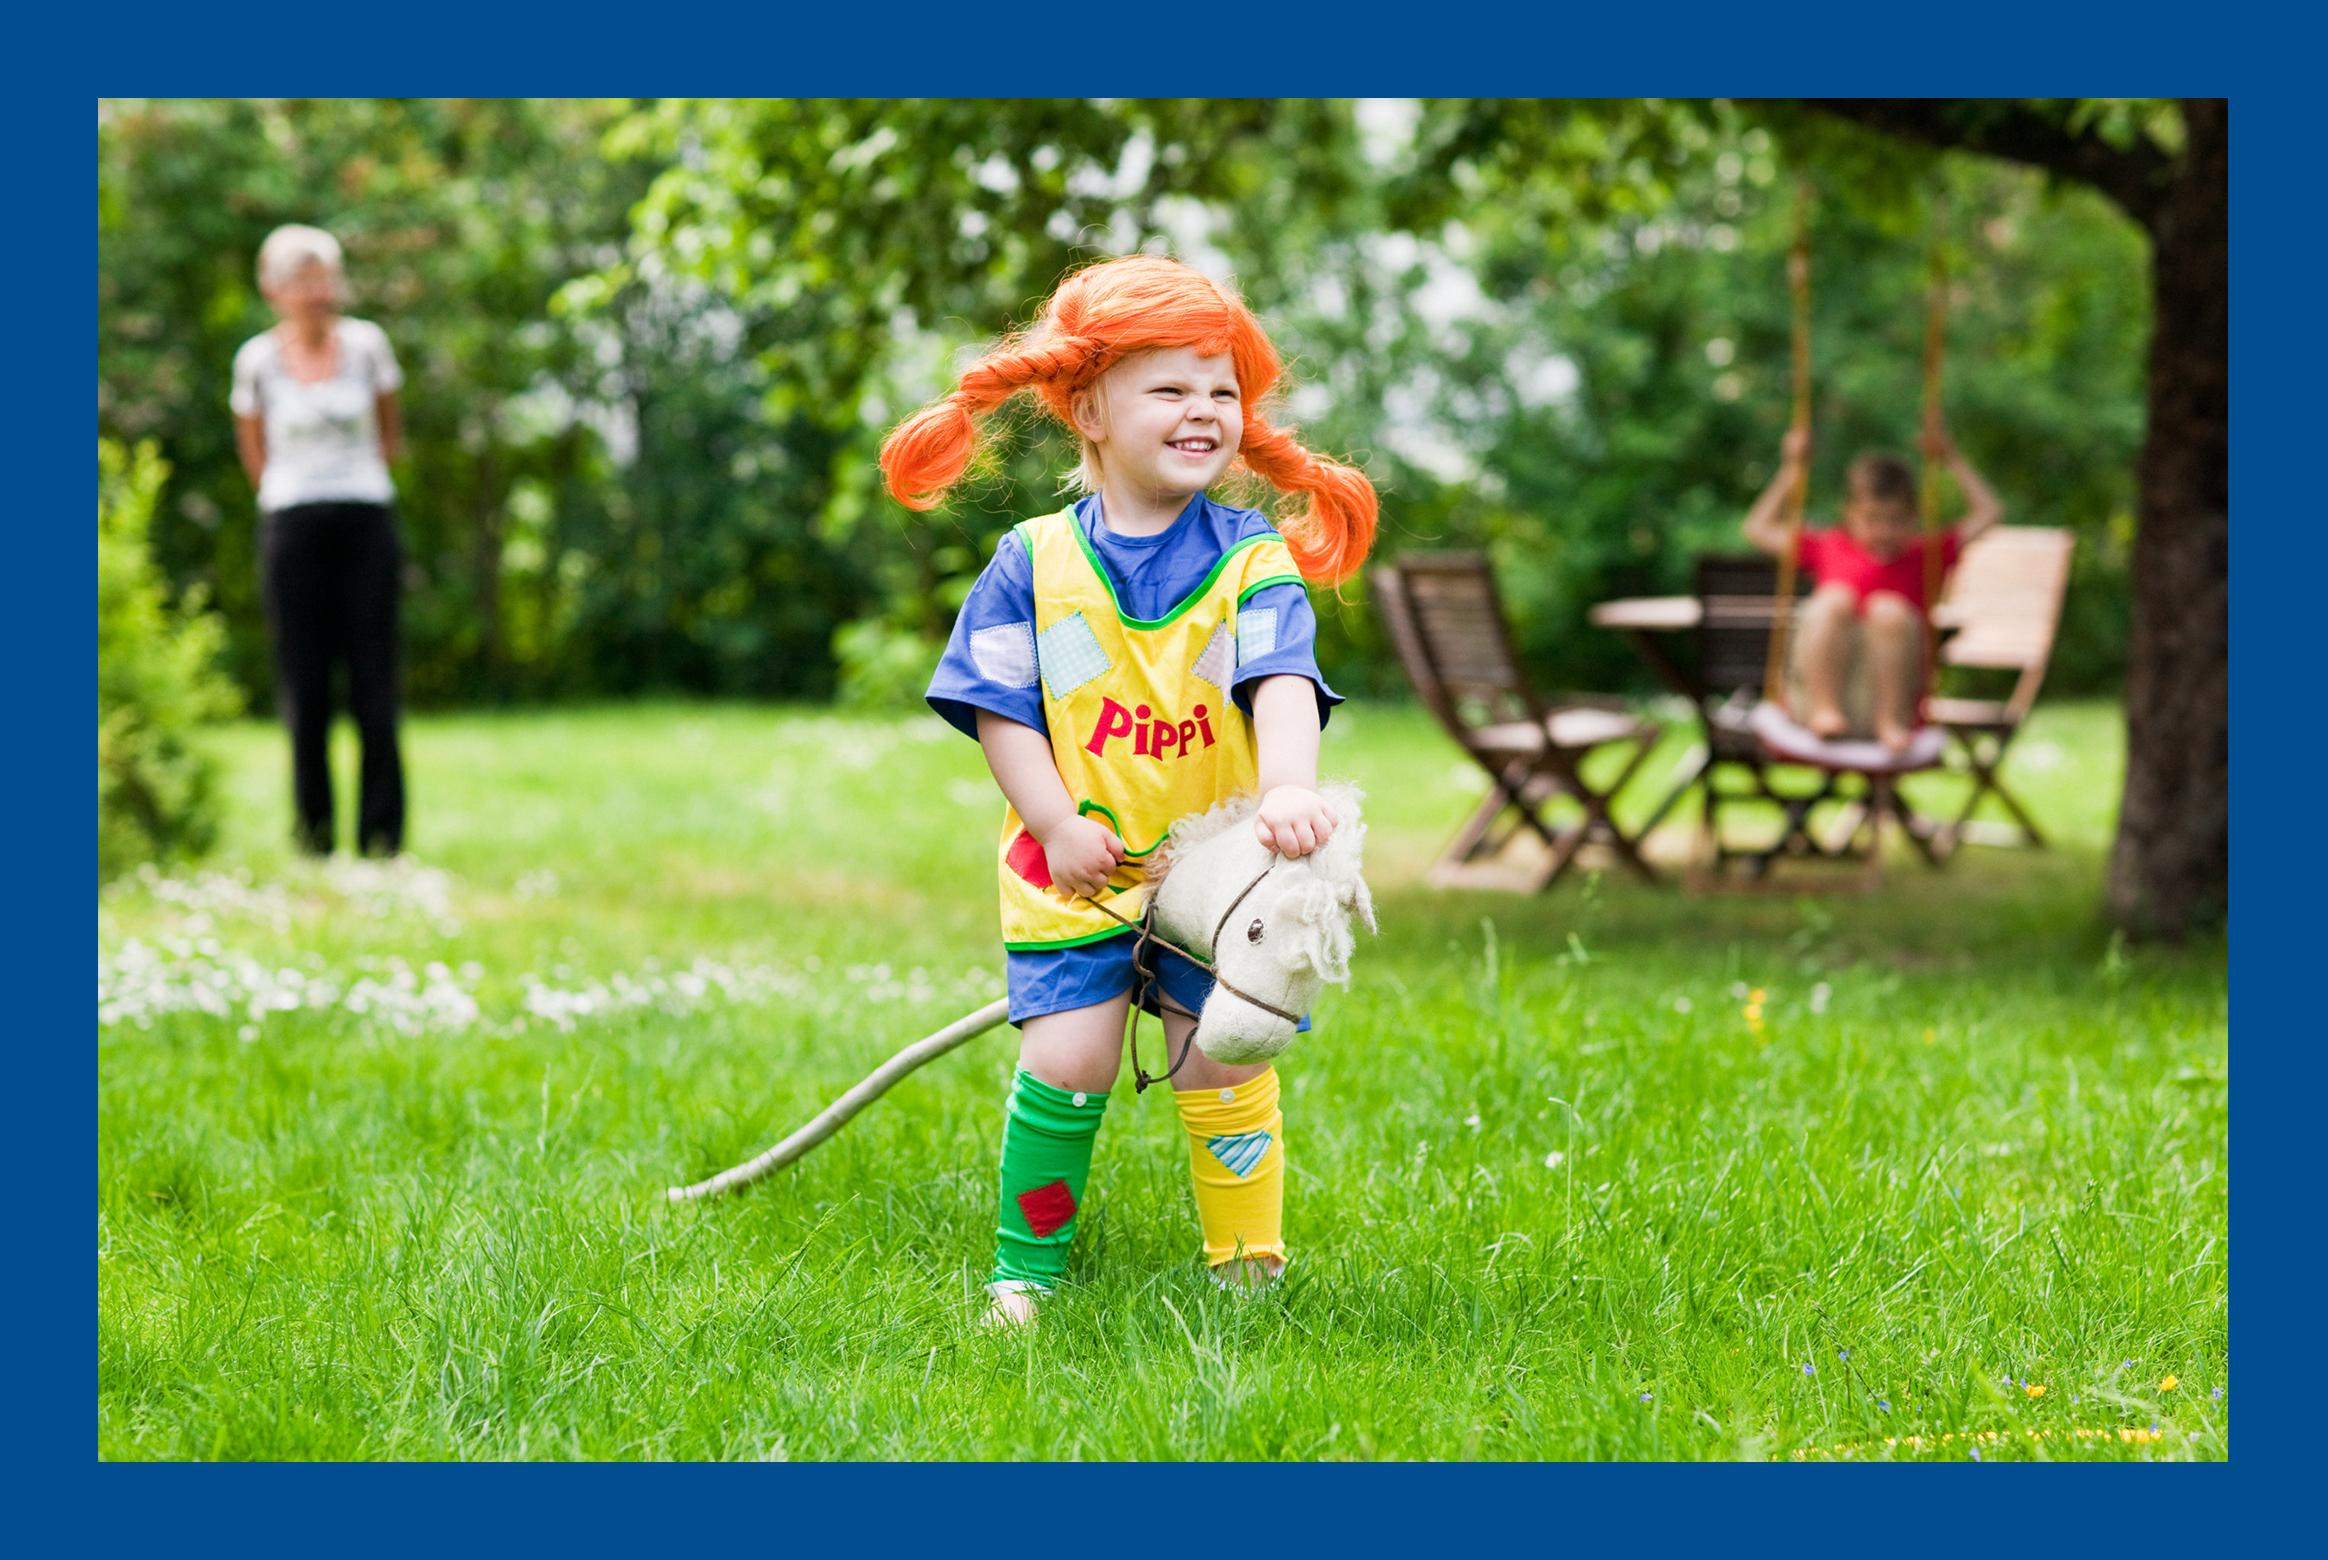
{"points": [[836, 1115]]}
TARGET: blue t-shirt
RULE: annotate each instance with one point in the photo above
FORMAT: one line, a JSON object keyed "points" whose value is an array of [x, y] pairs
{"points": [[1276, 629], [1277, 634]]}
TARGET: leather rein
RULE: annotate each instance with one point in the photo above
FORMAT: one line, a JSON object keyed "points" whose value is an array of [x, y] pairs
{"points": [[1144, 975]]}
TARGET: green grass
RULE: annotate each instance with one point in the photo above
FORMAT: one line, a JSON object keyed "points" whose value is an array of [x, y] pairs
{"points": [[411, 1207]]}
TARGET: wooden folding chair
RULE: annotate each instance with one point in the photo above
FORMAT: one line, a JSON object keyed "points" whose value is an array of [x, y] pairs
{"points": [[1446, 621], [1737, 594], [2004, 603]]}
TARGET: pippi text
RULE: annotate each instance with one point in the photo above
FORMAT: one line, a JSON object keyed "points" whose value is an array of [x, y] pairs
{"points": [[1152, 737]]}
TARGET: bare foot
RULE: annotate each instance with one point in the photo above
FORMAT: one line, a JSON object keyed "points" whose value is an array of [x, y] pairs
{"points": [[1009, 1308], [1828, 722], [1893, 735], [1249, 1273]]}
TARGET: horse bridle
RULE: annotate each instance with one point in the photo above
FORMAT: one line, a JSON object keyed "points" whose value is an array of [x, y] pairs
{"points": [[1144, 974]]}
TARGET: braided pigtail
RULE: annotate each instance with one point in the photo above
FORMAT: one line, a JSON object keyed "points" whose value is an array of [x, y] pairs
{"points": [[1097, 317], [925, 455], [1331, 538]]}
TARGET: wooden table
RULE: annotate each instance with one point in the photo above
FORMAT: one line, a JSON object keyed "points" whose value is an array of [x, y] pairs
{"points": [[1643, 621]]}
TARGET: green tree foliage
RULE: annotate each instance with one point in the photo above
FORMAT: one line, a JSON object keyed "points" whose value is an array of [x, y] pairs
{"points": [[1631, 364], [157, 680], [652, 348], [570, 497], [860, 243], [459, 219], [1558, 331]]}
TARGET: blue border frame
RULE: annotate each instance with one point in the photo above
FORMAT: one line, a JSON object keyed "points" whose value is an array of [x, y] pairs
{"points": [[1526, 51]]}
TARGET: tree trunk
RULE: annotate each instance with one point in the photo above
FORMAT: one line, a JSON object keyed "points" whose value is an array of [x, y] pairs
{"points": [[2170, 867]]}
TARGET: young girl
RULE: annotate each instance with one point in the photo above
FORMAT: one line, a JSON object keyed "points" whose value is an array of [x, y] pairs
{"points": [[1139, 656]]}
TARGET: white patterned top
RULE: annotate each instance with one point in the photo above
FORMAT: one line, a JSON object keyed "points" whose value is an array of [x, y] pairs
{"points": [[323, 439]]}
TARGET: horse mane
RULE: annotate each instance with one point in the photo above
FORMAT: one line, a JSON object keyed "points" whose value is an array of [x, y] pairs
{"points": [[1195, 829], [1199, 828]]}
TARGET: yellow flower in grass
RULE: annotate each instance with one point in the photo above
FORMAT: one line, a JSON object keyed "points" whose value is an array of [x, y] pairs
{"points": [[2170, 1383], [2034, 1390]]}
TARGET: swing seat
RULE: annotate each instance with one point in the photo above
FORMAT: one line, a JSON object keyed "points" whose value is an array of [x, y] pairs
{"points": [[1788, 740]]}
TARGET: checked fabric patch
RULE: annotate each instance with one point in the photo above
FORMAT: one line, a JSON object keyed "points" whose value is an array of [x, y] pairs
{"points": [[1241, 1152], [1069, 655], [1005, 654], [1048, 1207], [1256, 633], [1218, 664]]}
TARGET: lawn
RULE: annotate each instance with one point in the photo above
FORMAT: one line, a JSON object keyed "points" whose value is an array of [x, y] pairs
{"points": [[1605, 1173]]}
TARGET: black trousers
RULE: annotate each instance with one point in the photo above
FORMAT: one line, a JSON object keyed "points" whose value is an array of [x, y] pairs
{"points": [[331, 577]]}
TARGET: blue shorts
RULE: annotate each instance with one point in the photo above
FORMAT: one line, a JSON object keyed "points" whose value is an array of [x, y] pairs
{"points": [[1059, 980]]}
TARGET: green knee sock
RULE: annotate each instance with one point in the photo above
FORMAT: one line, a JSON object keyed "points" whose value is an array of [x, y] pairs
{"points": [[1046, 1158]]}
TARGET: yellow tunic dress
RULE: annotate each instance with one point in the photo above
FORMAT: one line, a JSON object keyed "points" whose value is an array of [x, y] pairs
{"points": [[1141, 723]]}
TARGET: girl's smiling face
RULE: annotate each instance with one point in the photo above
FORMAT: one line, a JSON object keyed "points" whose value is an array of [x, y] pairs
{"points": [[1164, 423]]}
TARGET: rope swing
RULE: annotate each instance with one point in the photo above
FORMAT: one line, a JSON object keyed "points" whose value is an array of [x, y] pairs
{"points": [[1782, 736]]}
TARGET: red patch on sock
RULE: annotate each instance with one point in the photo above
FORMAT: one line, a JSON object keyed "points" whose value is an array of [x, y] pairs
{"points": [[1026, 858], [1047, 1207]]}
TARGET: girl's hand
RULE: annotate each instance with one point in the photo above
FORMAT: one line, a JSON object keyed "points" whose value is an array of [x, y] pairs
{"points": [[1294, 820], [1083, 855], [1796, 446]]}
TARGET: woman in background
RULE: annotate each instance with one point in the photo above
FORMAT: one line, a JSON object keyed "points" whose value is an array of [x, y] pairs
{"points": [[317, 423]]}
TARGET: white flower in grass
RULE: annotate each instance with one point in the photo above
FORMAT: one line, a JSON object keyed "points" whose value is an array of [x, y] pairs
{"points": [[1555, 1160], [1819, 996]]}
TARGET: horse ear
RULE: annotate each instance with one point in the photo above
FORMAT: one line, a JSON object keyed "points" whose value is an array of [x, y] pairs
{"points": [[1357, 897]]}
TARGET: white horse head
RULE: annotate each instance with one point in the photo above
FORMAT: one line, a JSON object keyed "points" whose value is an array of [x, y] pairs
{"points": [[1289, 934]]}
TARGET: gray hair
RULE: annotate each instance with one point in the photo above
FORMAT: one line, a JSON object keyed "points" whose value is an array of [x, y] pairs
{"points": [[291, 248]]}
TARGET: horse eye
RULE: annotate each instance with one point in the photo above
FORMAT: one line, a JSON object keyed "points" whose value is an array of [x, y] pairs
{"points": [[1253, 932]]}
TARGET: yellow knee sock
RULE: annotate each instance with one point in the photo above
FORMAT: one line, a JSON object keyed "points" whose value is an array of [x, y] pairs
{"points": [[1236, 1159]]}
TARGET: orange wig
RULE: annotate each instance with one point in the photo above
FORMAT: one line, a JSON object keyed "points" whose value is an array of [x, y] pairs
{"points": [[1098, 317]]}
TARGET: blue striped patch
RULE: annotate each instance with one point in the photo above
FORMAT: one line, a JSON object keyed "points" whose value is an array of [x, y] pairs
{"points": [[1240, 1153]]}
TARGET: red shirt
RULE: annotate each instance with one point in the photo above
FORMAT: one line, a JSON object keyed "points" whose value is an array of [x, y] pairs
{"points": [[1833, 558]]}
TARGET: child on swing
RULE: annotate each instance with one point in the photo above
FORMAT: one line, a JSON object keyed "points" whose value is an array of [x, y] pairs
{"points": [[1140, 655], [1858, 654]]}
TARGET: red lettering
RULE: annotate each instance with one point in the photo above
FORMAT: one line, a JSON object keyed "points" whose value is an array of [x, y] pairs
{"points": [[1114, 721], [1150, 738]]}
